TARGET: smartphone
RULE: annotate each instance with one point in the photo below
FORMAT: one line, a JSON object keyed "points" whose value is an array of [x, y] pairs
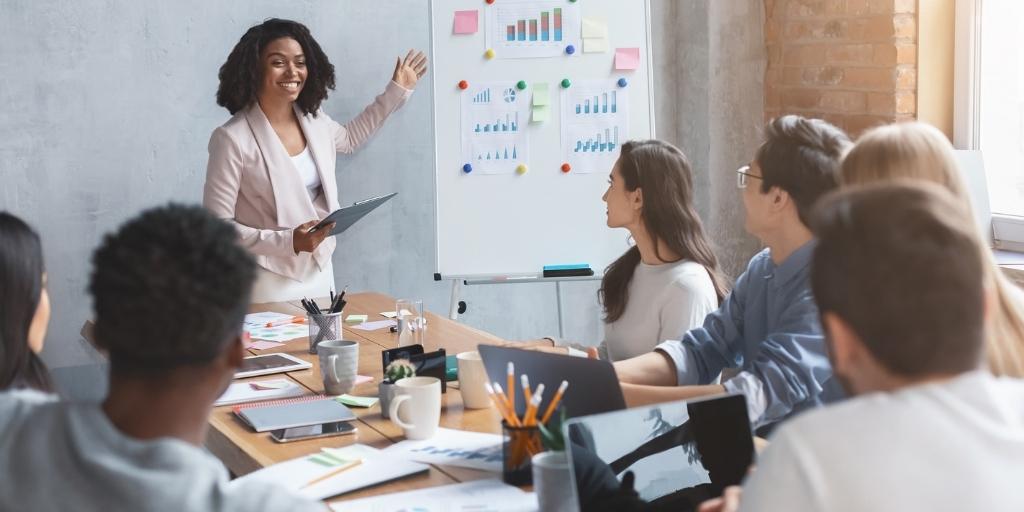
{"points": [[337, 428]]}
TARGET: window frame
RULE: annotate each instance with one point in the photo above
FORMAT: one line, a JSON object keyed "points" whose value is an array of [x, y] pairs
{"points": [[1007, 230]]}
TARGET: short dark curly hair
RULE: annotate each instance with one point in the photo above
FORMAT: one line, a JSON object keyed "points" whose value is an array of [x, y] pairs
{"points": [[170, 288], [241, 73]]}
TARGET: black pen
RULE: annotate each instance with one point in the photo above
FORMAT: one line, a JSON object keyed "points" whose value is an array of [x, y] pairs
{"points": [[343, 290]]}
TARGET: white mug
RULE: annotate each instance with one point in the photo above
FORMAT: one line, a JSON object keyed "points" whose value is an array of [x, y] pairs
{"points": [[473, 380], [339, 365], [423, 410], [552, 481]]}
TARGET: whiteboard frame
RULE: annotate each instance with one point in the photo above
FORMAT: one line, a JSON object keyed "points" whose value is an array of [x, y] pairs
{"points": [[500, 278]]}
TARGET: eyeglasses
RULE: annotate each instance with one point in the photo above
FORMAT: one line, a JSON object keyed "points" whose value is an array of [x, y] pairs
{"points": [[743, 174]]}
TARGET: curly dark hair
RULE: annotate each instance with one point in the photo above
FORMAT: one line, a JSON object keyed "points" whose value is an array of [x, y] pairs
{"points": [[241, 73], [170, 288]]}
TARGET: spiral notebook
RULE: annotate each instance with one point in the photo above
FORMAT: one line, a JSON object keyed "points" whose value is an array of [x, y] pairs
{"points": [[294, 412]]}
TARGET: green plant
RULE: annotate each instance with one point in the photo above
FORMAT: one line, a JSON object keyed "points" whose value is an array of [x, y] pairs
{"points": [[551, 434], [399, 369]]}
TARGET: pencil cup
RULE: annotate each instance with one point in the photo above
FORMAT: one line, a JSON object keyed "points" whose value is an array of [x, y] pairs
{"points": [[519, 445], [323, 328]]}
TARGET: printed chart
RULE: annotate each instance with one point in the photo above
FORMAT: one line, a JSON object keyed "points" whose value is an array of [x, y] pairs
{"points": [[595, 122], [530, 28], [494, 140]]}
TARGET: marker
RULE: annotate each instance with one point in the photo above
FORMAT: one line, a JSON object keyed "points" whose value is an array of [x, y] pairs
{"points": [[286, 321]]}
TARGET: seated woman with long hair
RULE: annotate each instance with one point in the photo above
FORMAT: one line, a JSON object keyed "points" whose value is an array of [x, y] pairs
{"points": [[668, 281], [921, 151], [24, 306]]}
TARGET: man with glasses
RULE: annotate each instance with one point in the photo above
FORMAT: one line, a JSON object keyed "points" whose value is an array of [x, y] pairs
{"points": [[767, 329]]}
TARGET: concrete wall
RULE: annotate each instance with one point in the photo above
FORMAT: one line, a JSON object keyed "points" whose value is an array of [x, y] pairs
{"points": [[108, 108]]}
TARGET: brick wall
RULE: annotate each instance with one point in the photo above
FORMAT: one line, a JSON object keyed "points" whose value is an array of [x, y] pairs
{"points": [[850, 62]]}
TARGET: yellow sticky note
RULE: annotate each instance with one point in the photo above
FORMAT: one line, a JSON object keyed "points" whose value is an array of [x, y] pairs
{"points": [[541, 113], [594, 27], [595, 45], [540, 95]]}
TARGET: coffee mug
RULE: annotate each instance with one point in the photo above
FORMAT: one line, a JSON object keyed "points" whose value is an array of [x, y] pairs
{"points": [[422, 412], [473, 380], [339, 365]]}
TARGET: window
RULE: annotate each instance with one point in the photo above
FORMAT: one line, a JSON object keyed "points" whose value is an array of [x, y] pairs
{"points": [[989, 106]]}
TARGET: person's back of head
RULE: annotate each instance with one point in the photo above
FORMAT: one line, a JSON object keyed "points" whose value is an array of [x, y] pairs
{"points": [[170, 290], [22, 293], [898, 281], [802, 157]]}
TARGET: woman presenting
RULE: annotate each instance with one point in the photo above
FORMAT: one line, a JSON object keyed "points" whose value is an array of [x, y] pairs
{"points": [[271, 166]]}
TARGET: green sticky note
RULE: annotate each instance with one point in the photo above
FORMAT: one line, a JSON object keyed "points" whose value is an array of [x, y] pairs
{"points": [[357, 401], [540, 94], [541, 114], [355, 319]]}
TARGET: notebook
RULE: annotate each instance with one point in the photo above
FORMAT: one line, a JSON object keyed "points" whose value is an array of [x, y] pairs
{"points": [[376, 468], [242, 392], [296, 412]]}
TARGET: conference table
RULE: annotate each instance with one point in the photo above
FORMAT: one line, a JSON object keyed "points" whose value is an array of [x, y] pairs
{"points": [[244, 451]]}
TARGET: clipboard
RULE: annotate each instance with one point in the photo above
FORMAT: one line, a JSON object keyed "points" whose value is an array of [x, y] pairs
{"points": [[344, 218]]}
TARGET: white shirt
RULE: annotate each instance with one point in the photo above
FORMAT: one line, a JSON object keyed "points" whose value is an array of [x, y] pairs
{"points": [[957, 445], [307, 171], [664, 302], [67, 456]]}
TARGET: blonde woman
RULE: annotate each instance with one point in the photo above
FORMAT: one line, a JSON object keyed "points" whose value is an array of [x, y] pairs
{"points": [[920, 151]]}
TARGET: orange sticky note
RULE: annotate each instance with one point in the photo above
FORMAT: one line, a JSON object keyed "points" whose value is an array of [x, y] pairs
{"points": [[627, 58], [466, 22]]}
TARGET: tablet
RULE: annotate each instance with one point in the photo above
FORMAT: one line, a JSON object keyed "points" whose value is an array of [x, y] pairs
{"points": [[344, 218], [270, 363]]}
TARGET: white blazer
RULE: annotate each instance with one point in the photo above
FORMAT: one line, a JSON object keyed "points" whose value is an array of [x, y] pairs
{"points": [[252, 182]]}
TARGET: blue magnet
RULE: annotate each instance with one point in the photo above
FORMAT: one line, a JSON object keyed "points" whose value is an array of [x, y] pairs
{"points": [[622, 82], [570, 49], [467, 168]]}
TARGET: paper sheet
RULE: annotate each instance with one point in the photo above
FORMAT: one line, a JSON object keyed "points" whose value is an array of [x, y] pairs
{"points": [[242, 392], [518, 29], [280, 333], [261, 319], [466, 22], [453, 448], [476, 496], [627, 59], [262, 345], [373, 326], [494, 138]]}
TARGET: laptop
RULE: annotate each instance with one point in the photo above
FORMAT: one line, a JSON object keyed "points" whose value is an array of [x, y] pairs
{"points": [[593, 386], [679, 453]]}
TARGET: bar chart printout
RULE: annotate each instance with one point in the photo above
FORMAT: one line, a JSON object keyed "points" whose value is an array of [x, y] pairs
{"points": [[493, 138], [527, 29], [595, 123]]}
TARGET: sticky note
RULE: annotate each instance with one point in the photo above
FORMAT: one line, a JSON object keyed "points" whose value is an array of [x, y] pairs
{"points": [[389, 314], [355, 319], [595, 45], [541, 114], [270, 384], [466, 22], [627, 58], [357, 401], [594, 28], [540, 95]]}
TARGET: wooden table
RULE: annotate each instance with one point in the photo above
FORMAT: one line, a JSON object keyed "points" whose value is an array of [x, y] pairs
{"points": [[244, 451]]}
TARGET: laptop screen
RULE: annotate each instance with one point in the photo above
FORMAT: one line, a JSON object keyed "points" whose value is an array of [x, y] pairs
{"points": [[679, 453]]}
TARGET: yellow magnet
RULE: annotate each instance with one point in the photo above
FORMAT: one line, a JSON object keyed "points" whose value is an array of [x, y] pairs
{"points": [[489, 53], [521, 169]]}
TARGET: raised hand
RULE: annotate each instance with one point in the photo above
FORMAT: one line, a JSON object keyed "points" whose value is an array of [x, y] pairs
{"points": [[409, 70]]}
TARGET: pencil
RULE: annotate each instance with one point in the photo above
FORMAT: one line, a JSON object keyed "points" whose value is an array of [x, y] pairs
{"points": [[530, 416], [498, 403], [511, 378], [512, 419], [554, 402], [333, 473], [526, 388]]}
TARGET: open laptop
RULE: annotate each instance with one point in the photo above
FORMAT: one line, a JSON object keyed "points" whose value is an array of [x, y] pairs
{"points": [[680, 453], [593, 386]]}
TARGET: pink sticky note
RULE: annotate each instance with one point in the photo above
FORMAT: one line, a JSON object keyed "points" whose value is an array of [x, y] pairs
{"points": [[466, 22], [627, 58]]}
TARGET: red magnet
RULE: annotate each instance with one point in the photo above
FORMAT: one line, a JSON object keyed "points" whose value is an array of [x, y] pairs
{"points": [[566, 167], [463, 84]]}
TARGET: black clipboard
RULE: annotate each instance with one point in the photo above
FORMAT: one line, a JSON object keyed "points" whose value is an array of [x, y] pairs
{"points": [[344, 218]]}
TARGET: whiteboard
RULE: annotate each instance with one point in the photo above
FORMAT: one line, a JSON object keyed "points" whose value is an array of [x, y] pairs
{"points": [[494, 221]]}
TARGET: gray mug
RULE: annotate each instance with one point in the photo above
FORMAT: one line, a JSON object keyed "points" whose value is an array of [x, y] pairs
{"points": [[339, 365]]}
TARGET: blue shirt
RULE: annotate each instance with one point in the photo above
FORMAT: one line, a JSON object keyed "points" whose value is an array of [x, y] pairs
{"points": [[768, 327]]}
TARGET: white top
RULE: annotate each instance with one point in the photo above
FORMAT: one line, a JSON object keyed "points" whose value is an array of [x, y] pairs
{"points": [[307, 171], [664, 302], [67, 456], [951, 446]]}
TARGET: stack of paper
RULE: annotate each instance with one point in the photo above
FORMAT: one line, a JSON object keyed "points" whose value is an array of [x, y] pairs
{"points": [[476, 496], [242, 392], [453, 448]]}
